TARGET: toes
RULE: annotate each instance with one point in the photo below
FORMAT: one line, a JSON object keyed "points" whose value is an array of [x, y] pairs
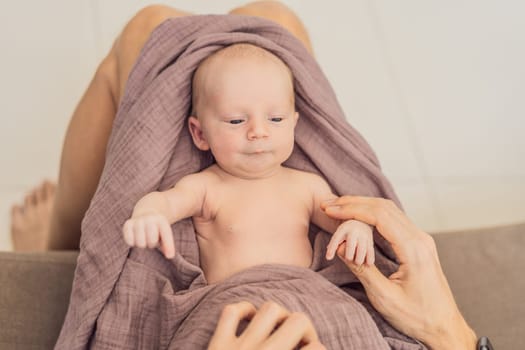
{"points": [[40, 193], [29, 200], [16, 212], [17, 218], [49, 188], [43, 191], [30, 220], [50, 184], [33, 198]]}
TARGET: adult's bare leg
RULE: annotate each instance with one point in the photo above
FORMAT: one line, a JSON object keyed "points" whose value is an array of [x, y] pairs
{"points": [[84, 148], [81, 166]]}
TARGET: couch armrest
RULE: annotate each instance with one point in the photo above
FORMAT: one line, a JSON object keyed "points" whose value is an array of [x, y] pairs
{"points": [[34, 296], [486, 272]]}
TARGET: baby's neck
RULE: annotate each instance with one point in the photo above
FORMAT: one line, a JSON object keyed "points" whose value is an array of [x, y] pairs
{"points": [[268, 175]]}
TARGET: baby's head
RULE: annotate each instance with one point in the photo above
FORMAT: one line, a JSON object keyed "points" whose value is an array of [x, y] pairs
{"points": [[244, 110]]}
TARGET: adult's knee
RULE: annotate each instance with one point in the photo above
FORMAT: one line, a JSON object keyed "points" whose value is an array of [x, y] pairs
{"points": [[125, 50], [272, 10], [140, 26], [149, 17], [279, 13]]}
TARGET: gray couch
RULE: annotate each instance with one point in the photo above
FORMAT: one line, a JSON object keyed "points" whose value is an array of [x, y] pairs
{"points": [[485, 268]]}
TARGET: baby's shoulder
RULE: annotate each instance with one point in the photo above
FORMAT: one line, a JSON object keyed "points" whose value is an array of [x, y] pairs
{"points": [[311, 182], [203, 178], [305, 176]]}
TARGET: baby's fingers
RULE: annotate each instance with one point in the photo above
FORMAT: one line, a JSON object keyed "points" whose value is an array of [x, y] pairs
{"points": [[127, 232], [337, 238], [152, 234], [140, 234], [166, 236], [134, 234], [370, 254], [351, 245], [360, 253]]}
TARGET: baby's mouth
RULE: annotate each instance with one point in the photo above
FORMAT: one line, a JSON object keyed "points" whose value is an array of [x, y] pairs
{"points": [[257, 151]]}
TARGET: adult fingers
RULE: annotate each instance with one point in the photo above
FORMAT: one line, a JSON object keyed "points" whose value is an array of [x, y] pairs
{"points": [[166, 236], [297, 328], [314, 346], [367, 209], [229, 320], [269, 315], [374, 282]]}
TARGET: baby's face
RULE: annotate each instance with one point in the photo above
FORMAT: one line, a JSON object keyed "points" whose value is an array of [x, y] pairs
{"points": [[247, 116]]}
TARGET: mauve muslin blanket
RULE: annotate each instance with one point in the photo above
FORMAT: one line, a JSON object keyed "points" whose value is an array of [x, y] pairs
{"points": [[126, 298]]}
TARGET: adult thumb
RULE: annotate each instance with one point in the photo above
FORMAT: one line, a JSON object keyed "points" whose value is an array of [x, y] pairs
{"points": [[374, 282]]}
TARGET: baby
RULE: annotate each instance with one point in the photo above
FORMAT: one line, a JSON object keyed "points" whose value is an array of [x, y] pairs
{"points": [[247, 208]]}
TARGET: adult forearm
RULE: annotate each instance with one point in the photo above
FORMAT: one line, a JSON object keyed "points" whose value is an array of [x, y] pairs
{"points": [[458, 335]]}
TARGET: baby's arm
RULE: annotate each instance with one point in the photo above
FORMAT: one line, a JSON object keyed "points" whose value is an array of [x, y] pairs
{"points": [[322, 192], [357, 235], [155, 212]]}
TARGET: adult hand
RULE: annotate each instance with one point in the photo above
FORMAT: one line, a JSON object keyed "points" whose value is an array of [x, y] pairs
{"points": [[294, 329], [416, 299]]}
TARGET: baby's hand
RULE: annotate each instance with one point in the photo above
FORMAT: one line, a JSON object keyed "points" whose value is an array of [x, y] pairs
{"points": [[146, 230], [359, 242]]}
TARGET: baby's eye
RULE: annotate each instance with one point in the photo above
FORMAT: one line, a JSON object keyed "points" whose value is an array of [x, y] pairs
{"points": [[235, 121], [276, 119]]}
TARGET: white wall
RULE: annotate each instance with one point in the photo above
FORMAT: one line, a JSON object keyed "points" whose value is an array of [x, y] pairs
{"points": [[436, 87]]}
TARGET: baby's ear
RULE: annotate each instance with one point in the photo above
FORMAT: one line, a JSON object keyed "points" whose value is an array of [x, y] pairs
{"points": [[296, 117], [197, 135]]}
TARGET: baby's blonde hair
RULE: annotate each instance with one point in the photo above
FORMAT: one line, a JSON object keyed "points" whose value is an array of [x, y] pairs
{"points": [[240, 50]]}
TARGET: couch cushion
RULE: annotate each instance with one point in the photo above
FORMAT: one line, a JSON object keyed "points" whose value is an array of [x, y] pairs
{"points": [[486, 271], [34, 295]]}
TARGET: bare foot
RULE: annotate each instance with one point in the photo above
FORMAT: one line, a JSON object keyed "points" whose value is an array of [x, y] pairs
{"points": [[30, 222]]}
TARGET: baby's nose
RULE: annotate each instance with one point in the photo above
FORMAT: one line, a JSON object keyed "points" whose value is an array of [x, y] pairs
{"points": [[257, 129]]}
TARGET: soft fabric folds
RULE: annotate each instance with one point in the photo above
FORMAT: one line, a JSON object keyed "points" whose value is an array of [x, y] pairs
{"points": [[126, 298]]}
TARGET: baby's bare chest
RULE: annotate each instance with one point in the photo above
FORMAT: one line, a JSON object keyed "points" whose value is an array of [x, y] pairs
{"points": [[256, 210]]}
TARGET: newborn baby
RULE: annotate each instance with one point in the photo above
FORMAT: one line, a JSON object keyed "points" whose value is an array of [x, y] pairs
{"points": [[247, 208]]}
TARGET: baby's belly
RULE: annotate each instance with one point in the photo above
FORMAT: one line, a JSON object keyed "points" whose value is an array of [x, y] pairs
{"points": [[223, 255]]}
